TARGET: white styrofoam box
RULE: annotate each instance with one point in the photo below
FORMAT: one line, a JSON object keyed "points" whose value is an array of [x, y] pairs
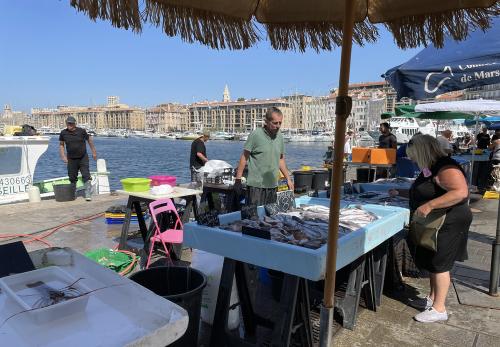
{"points": [[15, 286]]}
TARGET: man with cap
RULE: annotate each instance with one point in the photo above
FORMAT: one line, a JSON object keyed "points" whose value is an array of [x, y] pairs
{"points": [[75, 139], [198, 156]]}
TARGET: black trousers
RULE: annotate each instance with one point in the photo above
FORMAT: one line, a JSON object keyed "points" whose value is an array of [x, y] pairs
{"points": [[80, 164], [260, 196]]}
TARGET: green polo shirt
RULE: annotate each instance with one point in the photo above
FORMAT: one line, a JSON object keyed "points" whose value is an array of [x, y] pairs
{"points": [[264, 160]]}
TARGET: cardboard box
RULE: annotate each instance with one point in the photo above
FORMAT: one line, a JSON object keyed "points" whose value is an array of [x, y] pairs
{"points": [[382, 156], [360, 155]]}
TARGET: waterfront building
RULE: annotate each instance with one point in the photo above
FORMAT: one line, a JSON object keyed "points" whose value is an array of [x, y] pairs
{"points": [[112, 116], [369, 101], [379, 86], [10, 117], [236, 116], [491, 92], [320, 113], [167, 117]]}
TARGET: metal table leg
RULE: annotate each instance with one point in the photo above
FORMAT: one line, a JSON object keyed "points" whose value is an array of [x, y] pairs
{"points": [[294, 306], [140, 218], [347, 306], [126, 225]]}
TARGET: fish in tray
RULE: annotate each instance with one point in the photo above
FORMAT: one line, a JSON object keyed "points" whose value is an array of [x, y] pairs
{"points": [[377, 198], [306, 226]]}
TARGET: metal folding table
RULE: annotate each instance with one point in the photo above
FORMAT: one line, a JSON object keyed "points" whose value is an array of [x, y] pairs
{"points": [[134, 203]]}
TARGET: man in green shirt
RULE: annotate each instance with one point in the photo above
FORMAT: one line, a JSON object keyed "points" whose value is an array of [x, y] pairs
{"points": [[264, 152]]}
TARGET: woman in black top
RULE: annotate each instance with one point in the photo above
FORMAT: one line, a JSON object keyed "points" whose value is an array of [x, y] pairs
{"points": [[440, 186]]}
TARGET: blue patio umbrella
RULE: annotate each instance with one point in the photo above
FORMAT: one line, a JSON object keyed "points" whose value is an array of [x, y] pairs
{"points": [[490, 122], [458, 65]]}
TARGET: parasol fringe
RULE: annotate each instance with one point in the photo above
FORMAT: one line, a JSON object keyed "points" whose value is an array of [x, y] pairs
{"points": [[121, 13], [411, 32], [192, 25], [318, 35]]}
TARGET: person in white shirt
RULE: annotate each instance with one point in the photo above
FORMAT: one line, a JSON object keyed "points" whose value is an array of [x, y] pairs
{"points": [[348, 145], [445, 141]]}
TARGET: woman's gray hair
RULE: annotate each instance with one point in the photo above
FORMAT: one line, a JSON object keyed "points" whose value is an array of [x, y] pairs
{"points": [[425, 150]]}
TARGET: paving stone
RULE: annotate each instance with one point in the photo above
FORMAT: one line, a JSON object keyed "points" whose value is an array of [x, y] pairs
{"points": [[472, 273], [383, 335], [473, 319], [446, 334], [484, 340], [475, 296]]}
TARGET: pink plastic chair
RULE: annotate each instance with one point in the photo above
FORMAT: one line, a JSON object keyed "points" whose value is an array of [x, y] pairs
{"points": [[174, 235]]}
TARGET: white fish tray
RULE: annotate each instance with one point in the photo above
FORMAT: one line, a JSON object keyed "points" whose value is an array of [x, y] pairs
{"points": [[30, 299], [291, 259], [119, 313]]}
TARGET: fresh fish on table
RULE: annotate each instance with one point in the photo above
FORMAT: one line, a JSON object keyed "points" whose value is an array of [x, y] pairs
{"points": [[307, 226]]}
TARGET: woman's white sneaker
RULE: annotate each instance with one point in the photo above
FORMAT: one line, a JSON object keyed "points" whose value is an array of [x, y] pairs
{"points": [[431, 315]]}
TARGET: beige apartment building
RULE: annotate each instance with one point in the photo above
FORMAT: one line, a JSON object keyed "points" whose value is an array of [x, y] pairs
{"points": [[112, 116], [167, 117], [241, 116]]}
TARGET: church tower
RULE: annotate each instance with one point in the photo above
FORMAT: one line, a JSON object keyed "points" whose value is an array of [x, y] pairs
{"points": [[226, 97]]}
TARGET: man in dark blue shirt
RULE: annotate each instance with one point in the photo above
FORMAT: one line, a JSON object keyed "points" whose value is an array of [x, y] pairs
{"points": [[75, 139]]}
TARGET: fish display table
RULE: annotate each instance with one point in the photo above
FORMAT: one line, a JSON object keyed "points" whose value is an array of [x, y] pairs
{"points": [[134, 203], [382, 186], [299, 261], [299, 264], [111, 318]]}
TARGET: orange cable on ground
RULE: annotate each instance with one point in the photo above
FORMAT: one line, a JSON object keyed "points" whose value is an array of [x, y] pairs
{"points": [[33, 238]]}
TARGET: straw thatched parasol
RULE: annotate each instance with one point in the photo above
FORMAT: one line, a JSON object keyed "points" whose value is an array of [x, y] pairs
{"points": [[297, 25]]}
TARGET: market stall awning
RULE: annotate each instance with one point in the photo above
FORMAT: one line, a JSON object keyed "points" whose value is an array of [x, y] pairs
{"points": [[295, 24], [491, 122], [409, 112], [479, 106], [458, 65]]}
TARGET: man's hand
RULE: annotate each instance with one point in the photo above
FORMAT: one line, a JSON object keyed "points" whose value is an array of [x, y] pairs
{"points": [[290, 185], [423, 210], [94, 155], [238, 188], [65, 159]]}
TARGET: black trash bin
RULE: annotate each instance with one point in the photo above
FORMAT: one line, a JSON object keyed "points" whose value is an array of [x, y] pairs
{"points": [[302, 181], [182, 285], [64, 192], [320, 179], [364, 175]]}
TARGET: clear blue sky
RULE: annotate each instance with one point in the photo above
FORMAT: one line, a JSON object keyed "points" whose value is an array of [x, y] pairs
{"points": [[51, 55]]}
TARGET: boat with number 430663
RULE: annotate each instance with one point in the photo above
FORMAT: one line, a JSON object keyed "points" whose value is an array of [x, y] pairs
{"points": [[19, 155]]}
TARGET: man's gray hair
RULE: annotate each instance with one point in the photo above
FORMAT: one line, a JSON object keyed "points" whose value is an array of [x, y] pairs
{"points": [[271, 111]]}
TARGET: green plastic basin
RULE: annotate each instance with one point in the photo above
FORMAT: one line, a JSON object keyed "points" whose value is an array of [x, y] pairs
{"points": [[134, 184]]}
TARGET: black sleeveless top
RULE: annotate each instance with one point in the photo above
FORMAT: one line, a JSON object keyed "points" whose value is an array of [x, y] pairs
{"points": [[452, 237], [425, 189]]}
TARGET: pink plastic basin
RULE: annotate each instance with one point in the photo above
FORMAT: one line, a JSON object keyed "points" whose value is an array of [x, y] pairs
{"points": [[159, 180]]}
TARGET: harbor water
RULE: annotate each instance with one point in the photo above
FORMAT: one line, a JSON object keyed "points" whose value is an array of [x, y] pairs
{"points": [[141, 157]]}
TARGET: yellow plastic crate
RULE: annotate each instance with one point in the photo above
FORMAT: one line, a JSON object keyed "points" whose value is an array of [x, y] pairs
{"points": [[490, 195]]}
